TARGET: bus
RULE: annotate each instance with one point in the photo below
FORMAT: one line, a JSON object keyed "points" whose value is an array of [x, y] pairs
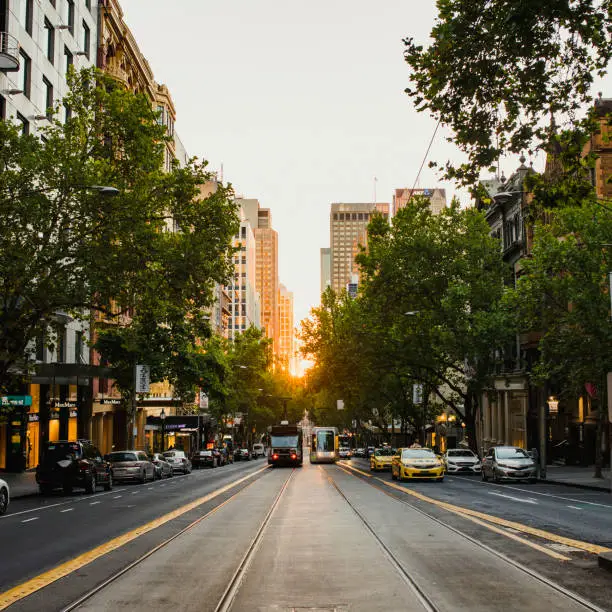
{"points": [[324, 445], [286, 445]]}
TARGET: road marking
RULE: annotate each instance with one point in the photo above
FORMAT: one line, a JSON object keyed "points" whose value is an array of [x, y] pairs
{"points": [[134, 492], [34, 518], [117, 496], [25, 589], [545, 535], [94, 503], [575, 507], [67, 510], [150, 489], [580, 501], [518, 499]]}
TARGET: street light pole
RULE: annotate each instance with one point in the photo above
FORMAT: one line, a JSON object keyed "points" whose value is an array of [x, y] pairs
{"points": [[162, 416]]}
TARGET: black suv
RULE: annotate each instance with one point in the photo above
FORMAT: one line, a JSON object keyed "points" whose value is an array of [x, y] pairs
{"points": [[67, 465]]}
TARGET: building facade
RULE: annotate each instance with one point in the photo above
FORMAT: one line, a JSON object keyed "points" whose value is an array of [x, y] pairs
{"points": [[287, 348], [437, 198], [348, 232], [325, 268]]}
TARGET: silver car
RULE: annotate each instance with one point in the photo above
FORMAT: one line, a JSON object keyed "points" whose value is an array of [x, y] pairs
{"points": [[508, 463], [178, 460], [4, 496], [131, 465], [461, 461], [162, 468]]}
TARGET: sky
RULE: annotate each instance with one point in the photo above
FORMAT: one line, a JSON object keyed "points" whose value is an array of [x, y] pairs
{"points": [[302, 103]]}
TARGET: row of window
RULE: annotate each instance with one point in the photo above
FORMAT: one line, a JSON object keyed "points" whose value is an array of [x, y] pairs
{"points": [[352, 216]]}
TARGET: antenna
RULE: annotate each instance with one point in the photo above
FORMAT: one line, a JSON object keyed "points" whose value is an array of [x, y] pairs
{"points": [[221, 173]]}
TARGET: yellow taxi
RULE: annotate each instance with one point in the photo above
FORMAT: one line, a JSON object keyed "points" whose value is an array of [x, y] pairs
{"points": [[416, 464], [381, 458]]}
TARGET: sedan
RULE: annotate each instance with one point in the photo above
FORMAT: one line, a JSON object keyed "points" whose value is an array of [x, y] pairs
{"points": [[381, 459], [178, 460], [508, 463], [131, 465], [461, 461], [162, 468], [205, 458], [417, 464], [5, 497], [344, 453]]}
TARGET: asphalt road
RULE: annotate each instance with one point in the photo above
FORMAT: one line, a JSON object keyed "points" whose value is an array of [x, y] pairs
{"points": [[567, 511], [42, 531]]}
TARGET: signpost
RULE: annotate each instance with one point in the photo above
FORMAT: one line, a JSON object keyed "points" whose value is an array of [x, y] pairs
{"points": [[14, 401], [143, 378]]}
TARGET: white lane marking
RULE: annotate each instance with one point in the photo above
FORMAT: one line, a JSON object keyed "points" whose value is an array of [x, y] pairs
{"points": [[94, 503], [518, 499], [575, 507], [149, 488], [580, 501], [134, 492], [67, 510], [162, 485], [34, 518], [40, 508], [117, 496]]}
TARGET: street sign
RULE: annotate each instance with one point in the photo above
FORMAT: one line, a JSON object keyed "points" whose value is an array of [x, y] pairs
{"points": [[203, 400], [143, 378], [340, 404], [15, 400], [417, 394]]}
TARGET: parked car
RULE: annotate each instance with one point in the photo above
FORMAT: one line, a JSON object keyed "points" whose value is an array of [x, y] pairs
{"points": [[242, 454], [508, 463], [344, 452], [162, 468], [259, 450], [5, 496], [359, 452], [67, 464], [131, 465], [206, 458], [178, 460], [461, 461]]}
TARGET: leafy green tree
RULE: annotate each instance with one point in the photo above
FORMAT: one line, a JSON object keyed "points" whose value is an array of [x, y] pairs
{"points": [[495, 71], [88, 253]]}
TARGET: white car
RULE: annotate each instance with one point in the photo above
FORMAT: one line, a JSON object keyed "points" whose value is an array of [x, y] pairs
{"points": [[259, 450], [462, 461], [178, 461], [4, 496], [344, 452]]}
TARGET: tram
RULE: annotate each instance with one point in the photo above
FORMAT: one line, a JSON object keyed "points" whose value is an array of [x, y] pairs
{"points": [[324, 445], [285, 445]]}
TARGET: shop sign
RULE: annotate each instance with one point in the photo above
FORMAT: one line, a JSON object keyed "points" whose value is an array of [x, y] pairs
{"points": [[54, 416], [16, 400], [143, 378], [74, 414], [65, 404], [175, 426], [110, 401], [33, 418]]}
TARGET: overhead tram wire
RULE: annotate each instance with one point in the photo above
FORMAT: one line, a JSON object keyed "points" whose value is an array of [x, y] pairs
{"points": [[416, 180]]}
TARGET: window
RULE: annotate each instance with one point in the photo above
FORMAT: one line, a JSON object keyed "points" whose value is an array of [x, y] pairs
{"points": [[70, 15], [25, 72], [160, 116], [50, 46], [78, 347], [48, 98], [25, 124], [243, 231], [26, 9], [86, 39], [88, 5], [69, 59]]}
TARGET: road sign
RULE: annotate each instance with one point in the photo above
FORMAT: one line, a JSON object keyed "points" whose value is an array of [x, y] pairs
{"points": [[15, 400], [203, 400], [143, 378], [417, 394], [340, 404]]}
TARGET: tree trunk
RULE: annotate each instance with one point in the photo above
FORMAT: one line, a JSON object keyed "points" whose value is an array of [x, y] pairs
{"points": [[598, 440], [470, 407]]}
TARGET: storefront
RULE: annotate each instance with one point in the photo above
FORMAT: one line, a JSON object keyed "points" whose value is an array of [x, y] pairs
{"points": [[13, 432], [178, 432]]}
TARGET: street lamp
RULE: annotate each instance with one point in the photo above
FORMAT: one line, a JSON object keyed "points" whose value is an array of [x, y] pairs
{"points": [[162, 416]]}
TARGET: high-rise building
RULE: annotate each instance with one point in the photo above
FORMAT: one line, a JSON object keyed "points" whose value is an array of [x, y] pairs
{"points": [[437, 198], [348, 231], [266, 275], [325, 268], [286, 349]]}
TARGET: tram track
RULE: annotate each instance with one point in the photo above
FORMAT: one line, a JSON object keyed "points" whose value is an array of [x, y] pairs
{"points": [[234, 584], [425, 600]]}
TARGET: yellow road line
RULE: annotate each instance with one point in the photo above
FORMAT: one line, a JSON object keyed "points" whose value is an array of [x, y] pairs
{"points": [[540, 533], [42, 580]]}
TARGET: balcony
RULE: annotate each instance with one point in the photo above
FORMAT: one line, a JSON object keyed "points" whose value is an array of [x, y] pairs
{"points": [[9, 53]]}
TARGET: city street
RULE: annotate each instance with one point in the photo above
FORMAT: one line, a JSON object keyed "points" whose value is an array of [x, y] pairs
{"points": [[314, 538]]}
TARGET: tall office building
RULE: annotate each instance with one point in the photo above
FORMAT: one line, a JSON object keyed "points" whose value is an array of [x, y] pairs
{"points": [[437, 198], [348, 231], [266, 263], [286, 349], [325, 269]]}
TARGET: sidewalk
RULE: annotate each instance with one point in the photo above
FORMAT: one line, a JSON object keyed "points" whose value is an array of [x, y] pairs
{"points": [[577, 477], [20, 485]]}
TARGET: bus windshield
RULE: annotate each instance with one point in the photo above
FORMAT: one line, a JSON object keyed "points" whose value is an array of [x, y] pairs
{"points": [[325, 441], [284, 441]]}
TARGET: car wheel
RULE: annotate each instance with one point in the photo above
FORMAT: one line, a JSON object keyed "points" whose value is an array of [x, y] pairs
{"points": [[4, 500], [108, 485], [90, 485]]}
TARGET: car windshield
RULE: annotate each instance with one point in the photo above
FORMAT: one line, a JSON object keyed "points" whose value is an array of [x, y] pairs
{"points": [[284, 441], [461, 453], [384, 452], [174, 454], [122, 456], [58, 451], [417, 453], [511, 453]]}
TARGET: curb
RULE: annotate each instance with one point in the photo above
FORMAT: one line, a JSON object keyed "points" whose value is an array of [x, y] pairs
{"points": [[575, 485], [604, 560]]}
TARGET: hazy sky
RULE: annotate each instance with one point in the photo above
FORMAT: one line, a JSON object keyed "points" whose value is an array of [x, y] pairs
{"points": [[302, 102]]}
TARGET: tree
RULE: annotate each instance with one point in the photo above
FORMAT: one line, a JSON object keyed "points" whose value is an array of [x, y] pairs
{"points": [[87, 253], [495, 71], [563, 290]]}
